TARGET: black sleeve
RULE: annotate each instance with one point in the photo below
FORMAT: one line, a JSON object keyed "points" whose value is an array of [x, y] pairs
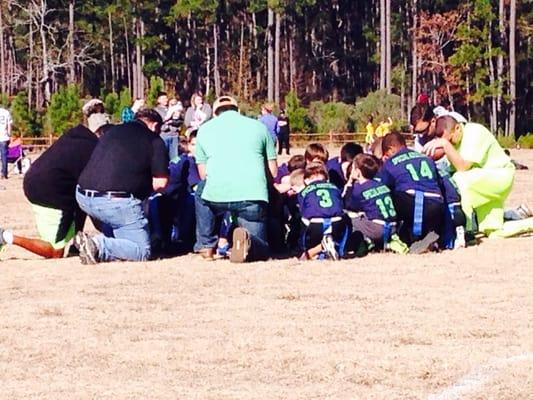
{"points": [[159, 162]]}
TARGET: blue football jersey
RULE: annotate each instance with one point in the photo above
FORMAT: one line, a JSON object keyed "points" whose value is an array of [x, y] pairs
{"points": [[373, 198], [320, 199], [410, 170]]}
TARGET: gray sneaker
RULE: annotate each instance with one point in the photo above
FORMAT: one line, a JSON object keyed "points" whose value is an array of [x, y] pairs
{"points": [[329, 247], [87, 248], [424, 245]]}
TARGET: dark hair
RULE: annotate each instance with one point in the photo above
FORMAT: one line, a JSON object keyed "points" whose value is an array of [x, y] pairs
{"points": [[97, 108], [296, 162], [392, 140], [443, 123], [316, 168], [314, 151], [193, 134], [159, 94], [103, 129], [350, 150], [150, 115], [422, 112], [229, 107], [367, 164]]}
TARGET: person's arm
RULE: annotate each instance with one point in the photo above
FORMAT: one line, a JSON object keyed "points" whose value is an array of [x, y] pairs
{"points": [[188, 116], [273, 168], [202, 171], [458, 162], [159, 184]]}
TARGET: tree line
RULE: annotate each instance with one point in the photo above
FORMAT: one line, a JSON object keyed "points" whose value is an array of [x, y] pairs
{"points": [[473, 55]]}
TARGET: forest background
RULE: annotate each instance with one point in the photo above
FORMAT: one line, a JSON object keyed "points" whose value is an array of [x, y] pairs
{"points": [[331, 63]]}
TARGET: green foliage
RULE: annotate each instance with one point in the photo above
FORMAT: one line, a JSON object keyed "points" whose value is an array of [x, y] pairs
{"points": [[475, 51], [526, 141], [332, 117], [4, 100], [507, 142], [64, 111], [380, 106], [125, 99], [25, 121], [156, 85], [296, 113], [112, 105]]}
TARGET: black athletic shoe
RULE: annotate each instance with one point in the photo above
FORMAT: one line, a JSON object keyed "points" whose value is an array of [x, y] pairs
{"points": [[87, 248], [425, 245]]}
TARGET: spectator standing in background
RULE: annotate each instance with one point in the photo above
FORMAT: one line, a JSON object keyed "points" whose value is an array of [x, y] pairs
{"points": [[284, 132], [198, 113], [5, 133], [270, 120]]}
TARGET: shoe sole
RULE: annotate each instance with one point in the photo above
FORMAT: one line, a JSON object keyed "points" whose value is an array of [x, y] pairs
{"points": [[329, 247], [241, 246], [81, 241], [423, 246]]}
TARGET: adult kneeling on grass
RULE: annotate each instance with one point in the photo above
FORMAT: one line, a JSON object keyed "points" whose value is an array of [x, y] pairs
{"points": [[483, 173], [236, 157]]}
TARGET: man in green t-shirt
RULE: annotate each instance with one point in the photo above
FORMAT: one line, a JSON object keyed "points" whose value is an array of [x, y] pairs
{"points": [[484, 174], [237, 158]]}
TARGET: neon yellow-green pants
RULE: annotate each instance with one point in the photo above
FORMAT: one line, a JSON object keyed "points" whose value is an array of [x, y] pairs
{"points": [[54, 226], [484, 190]]}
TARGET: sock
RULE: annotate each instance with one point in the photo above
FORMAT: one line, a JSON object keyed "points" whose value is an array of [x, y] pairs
{"points": [[8, 237]]}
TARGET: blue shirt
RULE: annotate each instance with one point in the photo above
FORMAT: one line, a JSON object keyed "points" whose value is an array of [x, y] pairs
{"points": [[410, 170], [336, 175], [320, 199], [283, 170], [373, 198], [271, 122]]}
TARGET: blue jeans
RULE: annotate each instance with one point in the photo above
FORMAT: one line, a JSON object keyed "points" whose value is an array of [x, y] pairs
{"points": [[125, 216], [251, 215], [171, 142], [3, 156]]}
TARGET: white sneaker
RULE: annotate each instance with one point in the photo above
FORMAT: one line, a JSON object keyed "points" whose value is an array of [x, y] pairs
{"points": [[460, 241], [329, 247]]}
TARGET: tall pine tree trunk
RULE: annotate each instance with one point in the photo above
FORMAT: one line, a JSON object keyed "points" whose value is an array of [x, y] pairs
{"points": [[30, 68], [216, 72], [382, 46], [72, 54], [129, 61], [414, 54], [388, 46], [3, 76], [277, 58], [111, 51], [499, 72], [270, 55], [512, 68]]}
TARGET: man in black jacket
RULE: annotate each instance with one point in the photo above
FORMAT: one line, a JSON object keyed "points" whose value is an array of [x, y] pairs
{"points": [[50, 185]]}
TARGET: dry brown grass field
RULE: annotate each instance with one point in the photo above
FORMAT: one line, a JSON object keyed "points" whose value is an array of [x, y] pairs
{"points": [[455, 325]]}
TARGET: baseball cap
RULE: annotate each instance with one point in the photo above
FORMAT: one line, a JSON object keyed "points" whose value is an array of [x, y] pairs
{"points": [[96, 121], [441, 112], [90, 104], [224, 101], [423, 98]]}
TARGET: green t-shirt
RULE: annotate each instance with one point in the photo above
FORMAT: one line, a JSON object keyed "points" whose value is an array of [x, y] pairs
{"points": [[235, 150], [479, 146]]}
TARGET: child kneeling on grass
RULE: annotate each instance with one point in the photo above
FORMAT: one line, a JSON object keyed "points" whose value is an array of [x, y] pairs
{"points": [[326, 227]]}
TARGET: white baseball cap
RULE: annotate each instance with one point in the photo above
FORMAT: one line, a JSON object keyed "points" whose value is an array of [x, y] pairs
{"points": [[440, 111]]}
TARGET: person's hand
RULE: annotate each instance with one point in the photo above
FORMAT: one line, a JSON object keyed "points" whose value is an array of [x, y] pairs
{"points": [[435, 148]]}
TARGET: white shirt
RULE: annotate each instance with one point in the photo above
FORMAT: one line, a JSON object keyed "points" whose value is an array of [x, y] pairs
{"points": [[5, 122]]}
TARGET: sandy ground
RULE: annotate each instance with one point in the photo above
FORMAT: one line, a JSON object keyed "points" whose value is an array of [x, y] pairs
{"points": [[456, 325]]}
